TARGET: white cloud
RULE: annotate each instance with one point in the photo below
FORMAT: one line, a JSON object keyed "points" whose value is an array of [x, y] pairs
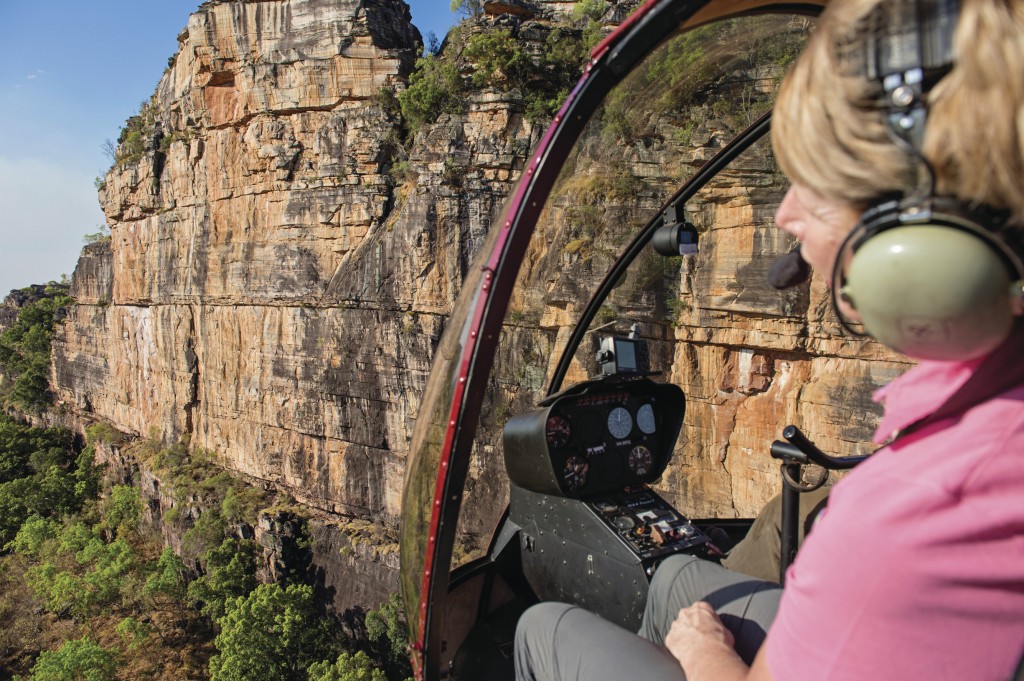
{"points": [[47, 208]]}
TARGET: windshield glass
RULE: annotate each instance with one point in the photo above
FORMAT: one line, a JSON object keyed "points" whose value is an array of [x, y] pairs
{"points": [[687, 100], [655, 129]]}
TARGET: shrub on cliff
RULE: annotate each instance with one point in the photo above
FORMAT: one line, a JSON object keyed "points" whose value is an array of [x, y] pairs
{"points": [[25, 348], [135, 134], [498, 59], [435, 87]]}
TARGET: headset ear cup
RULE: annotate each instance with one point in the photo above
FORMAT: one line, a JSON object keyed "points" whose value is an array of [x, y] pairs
{"points": [[931, 291]]}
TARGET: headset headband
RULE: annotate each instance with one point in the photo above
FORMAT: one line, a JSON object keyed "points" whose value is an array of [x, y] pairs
{"points": [[908, 47]]}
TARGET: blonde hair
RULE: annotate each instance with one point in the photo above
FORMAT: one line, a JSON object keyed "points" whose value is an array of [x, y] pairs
{"points": [[828, 136]]}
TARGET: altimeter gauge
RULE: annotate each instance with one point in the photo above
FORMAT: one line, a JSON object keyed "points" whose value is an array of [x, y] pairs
{"points": [[641, 461], [645, 419], [620, 423]]}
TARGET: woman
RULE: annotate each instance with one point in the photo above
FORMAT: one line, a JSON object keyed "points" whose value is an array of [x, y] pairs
{"points": [[916, 569]]}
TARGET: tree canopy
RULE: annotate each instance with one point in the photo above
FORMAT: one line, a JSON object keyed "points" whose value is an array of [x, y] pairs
{"points": [[273, 634]]}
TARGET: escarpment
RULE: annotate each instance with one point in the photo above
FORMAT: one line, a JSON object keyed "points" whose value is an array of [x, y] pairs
{"points": [[284, 253]]}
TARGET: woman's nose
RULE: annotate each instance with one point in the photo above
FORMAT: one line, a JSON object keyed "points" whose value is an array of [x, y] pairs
{"points": [[788, 216]]}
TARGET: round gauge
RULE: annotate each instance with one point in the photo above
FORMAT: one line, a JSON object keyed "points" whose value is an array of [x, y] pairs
{"points": [[558, 431], [645, 419], [575, 472], [620, 423], [623, 522], [641, 460]]}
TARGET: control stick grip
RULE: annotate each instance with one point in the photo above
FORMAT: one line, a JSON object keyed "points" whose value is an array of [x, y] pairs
{"points": [[832, 463]]}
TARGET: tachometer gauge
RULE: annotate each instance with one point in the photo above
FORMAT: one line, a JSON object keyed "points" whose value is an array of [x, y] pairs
{"points": [[575, 472], [645, 419], [620, 423], [640, 460], [558, 431]]}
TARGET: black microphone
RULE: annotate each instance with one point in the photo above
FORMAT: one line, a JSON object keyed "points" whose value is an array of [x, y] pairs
{"points": [[789, 270]]}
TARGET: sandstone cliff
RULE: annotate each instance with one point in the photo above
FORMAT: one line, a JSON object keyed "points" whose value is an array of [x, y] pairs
{"points": [[273, 290]]}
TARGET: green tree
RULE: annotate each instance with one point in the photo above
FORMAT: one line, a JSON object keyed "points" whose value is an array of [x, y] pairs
{"points": [[94, 579], [498, 59], [167, 581], [467, 8], [80, 660], [40, 474], [122, 511], [134, 634], [435, 87], [387, 631], [207, 532], [25, 348], [358, 667], [273, 634], [230, 573], [35, 532]]}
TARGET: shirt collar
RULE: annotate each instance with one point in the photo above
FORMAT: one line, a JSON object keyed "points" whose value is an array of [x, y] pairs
{"points": [[923, 390], [918, 393]]}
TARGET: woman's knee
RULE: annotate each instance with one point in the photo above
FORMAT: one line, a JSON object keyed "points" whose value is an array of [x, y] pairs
{"points": [[666, 577], [535, 645], [539, 623]]}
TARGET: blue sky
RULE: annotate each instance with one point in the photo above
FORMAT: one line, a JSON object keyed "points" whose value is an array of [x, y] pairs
{"points": [[70, 74]]}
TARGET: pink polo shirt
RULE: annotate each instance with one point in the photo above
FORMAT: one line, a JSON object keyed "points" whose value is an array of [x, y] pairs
{"points": [[916, 569]]}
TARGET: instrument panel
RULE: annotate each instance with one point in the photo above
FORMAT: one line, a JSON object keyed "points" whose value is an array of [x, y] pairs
{"points": [[647, 523], [596, 437]]}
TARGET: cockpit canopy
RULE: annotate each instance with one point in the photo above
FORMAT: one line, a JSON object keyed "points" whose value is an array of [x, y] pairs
{"points": [[668, 130]]}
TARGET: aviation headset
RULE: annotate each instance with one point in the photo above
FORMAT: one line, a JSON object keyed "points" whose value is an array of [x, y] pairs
{"points": [[929, 276]]}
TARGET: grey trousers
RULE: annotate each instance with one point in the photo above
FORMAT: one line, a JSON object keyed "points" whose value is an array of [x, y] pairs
{"points": [[559, 642]]}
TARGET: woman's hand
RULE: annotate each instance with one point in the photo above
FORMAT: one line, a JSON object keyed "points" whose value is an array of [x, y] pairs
{"points": [[696, 634]]}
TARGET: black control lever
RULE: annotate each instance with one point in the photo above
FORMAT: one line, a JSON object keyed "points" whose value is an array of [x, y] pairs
{"points": [[796, 453], [808, 448]]}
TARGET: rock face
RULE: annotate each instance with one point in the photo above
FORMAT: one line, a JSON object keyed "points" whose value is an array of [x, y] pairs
{"points": [[274, 291], [268, 289]]}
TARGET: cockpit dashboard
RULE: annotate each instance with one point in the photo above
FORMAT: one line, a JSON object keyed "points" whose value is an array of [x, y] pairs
{"points": [[597, 437]]}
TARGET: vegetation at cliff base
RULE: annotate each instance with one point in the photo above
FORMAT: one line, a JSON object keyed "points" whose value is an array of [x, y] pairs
{"points": [[25, 348], [88, 591], [41, 476], [273, 633]]}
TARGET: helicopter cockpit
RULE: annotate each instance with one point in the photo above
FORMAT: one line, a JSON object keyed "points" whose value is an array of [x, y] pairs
{"points": [[602, 386]]}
